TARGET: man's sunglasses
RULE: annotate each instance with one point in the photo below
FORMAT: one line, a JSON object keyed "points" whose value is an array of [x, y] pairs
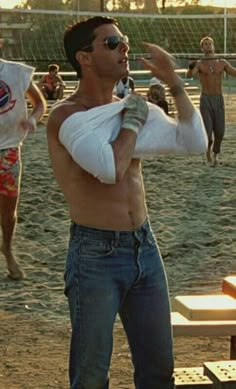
{"points": [[111, 42]]}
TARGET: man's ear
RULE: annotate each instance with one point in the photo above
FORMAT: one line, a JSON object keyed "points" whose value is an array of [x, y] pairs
{"points": [[83, 57]]}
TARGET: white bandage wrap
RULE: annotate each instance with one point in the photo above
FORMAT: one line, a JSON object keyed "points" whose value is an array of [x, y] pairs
{"points": [[87, 136], [136, 111]]}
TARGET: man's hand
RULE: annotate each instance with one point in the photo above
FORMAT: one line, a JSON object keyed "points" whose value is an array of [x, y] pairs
{"points": [[135, 113], [162, 64]]}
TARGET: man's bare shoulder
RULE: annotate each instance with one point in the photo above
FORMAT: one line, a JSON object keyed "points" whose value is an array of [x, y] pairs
{"points": [[66, 107], [220, 62], [61, 111], [224, 63]]}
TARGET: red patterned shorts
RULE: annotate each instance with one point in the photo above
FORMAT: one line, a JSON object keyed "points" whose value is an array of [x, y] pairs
{"points": [[9, 171]]}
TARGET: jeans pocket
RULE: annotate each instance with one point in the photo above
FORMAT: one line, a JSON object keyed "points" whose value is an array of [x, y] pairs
{"points": [[95, 249]]}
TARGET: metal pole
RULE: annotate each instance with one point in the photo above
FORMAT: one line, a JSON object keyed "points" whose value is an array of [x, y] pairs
{"points": [[225, 27], [233, 347]]}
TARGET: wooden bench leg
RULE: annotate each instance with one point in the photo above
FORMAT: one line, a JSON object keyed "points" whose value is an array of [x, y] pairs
{"points": [[233, 347]]}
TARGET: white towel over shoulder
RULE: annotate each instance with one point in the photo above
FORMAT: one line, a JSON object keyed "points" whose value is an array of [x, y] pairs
{"points": [[87, 136]]}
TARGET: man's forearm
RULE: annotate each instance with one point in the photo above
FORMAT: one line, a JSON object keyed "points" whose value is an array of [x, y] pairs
{"points": [[184, 105]]}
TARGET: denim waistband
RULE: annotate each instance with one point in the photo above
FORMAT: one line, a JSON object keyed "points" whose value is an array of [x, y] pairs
{"points": [[139, 233]]}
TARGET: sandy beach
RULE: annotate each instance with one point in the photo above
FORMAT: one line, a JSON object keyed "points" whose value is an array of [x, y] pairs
{"points": [[192, 207]]}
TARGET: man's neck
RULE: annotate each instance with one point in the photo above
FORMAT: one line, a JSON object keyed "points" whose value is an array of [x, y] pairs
{"points": [[207, 55], [92, 100]]}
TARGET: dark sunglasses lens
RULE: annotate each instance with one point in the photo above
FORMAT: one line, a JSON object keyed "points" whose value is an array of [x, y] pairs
{"points": [[113, 42]]}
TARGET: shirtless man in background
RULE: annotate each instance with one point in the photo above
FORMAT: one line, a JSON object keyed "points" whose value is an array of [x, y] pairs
{"points": [[114, 263], [210, 71]]}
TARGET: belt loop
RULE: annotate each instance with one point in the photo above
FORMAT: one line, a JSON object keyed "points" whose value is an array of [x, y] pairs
{"points": [[142, 232], [137, 234], [73, 229], [116, 238], [148, 229]]}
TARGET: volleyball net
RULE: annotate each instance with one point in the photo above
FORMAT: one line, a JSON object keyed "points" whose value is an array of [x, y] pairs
{"points": [[36, 36]]}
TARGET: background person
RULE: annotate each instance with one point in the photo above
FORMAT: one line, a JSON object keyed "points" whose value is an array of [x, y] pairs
{"points": [[210, 71], [156, 94], [16, 84], [124, 86], [52, 85]]}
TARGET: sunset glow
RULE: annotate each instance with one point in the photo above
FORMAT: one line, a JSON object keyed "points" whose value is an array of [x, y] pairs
{"points": [[215, 3], [9, 3]]}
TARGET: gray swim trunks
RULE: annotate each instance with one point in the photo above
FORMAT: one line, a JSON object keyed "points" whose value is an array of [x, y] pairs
{"points": [[213, 113]]}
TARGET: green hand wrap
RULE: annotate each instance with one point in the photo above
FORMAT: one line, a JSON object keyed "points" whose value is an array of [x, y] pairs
{"points": [[135, 113]]}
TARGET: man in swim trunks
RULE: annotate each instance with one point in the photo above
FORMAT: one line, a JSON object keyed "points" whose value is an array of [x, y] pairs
{"points": [[15, 84], [114, 264], [210, 71]]}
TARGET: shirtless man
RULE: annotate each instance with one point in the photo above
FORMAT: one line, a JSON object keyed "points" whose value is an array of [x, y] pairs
{"points": [[113, 263], [210, 72], [16, 84]]}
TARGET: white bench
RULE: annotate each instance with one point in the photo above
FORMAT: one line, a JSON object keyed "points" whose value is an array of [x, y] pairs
{"points": [[210, 315], [196, 328], [229, 286]]}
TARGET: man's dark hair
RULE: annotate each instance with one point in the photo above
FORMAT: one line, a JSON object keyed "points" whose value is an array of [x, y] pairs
{"points": [[81, 35]]}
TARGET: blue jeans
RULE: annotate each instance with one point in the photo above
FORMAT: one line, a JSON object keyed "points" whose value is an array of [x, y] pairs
{"points": [[110, 272]]}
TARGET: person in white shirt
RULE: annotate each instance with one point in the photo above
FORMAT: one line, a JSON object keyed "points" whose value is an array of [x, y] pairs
{"points": [[15, 85], [124, 87]]}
